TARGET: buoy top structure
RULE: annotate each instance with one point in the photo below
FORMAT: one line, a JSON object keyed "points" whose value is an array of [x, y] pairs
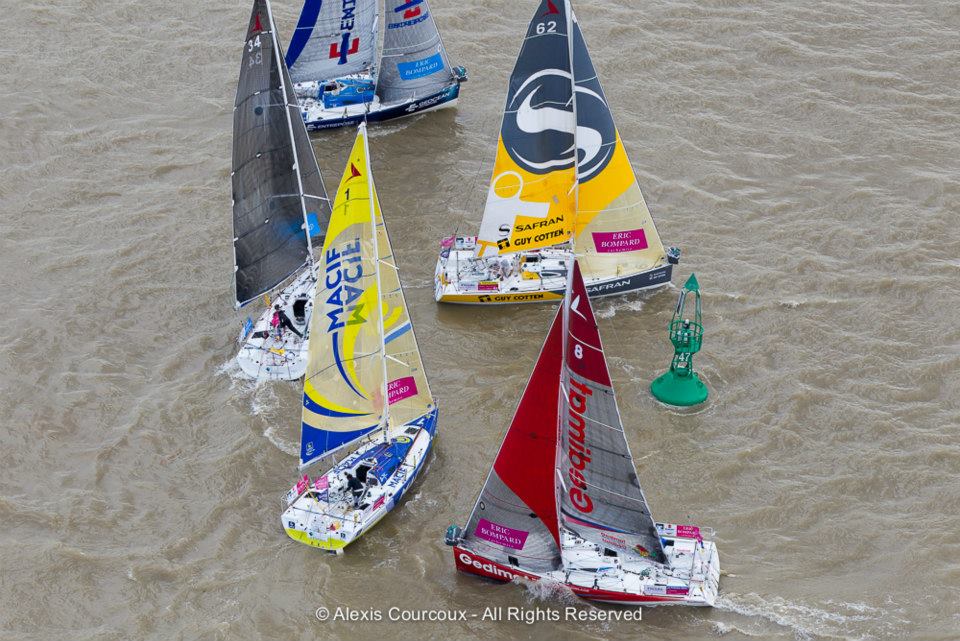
{"points": [[681, 386]]}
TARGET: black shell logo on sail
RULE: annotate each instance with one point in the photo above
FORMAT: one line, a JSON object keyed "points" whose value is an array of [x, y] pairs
{"points": [[596, 133], [538, 130], [538, 124]]}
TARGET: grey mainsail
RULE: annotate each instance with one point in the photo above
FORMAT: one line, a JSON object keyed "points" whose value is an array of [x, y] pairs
{"points": [[600, 495], [277, 185], [414, 63], [333, 39]]}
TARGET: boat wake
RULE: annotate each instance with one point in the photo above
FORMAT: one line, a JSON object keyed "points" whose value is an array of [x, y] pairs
{"points": [[608, 308], [804, 621]]}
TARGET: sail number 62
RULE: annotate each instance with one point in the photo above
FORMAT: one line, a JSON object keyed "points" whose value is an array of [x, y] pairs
{"points": [[546, 27]]}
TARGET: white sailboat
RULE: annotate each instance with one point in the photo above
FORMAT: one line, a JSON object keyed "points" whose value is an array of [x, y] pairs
{"points": [[365, 392], [280, 208], [343, 76], [561, 179], [562, 503]]}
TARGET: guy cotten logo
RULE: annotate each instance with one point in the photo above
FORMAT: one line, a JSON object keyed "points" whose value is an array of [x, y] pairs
{"points": [[539, 125]]}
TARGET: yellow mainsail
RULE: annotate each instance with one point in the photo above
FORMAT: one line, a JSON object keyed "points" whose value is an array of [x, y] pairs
{"points": [[561, 171], [344, 387], [364, 365]]}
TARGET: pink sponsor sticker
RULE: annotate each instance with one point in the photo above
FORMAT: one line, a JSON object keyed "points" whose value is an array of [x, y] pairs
{"points": [[689, 532], [488, 286], [612, 242], [677, 591], [303, 484], [322, 483], [501, 534], [400, 389]]}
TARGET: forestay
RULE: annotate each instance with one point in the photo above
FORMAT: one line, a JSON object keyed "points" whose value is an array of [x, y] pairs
{"points": [[277, 185], [345, 388], [514, 521], [599, 493], [413, 63], [333, 38]]}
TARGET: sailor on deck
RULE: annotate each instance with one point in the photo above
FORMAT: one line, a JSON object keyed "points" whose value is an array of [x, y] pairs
{"points": [[281, 320], [356, 488]]}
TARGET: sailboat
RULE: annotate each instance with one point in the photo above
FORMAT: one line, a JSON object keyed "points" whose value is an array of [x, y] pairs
{"points": [[562, 503], [365, 393], [561, 181], [280, 208], [343, 77]]}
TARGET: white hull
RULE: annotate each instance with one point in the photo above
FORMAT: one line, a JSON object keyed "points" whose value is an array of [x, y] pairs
{"points": [[691, 578], [534, 276], [330, 519], [279, 356], [317, 116]]}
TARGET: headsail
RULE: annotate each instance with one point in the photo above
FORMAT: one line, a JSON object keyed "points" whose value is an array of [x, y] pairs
{"points": [[515, 518], [343, 391], [276, 181], [599, 493], [413, 62], [615, 233], [333, 38], [530, 201]]}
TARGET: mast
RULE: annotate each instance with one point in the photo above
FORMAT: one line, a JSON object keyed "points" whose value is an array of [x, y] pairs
{"points": [[281, 66], [576, 152], [385, 420]]}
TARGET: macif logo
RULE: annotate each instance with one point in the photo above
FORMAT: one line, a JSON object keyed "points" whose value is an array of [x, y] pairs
{"points": [[346, 46], [410, 9]]}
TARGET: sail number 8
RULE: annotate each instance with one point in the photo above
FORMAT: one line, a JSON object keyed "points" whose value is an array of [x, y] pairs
{"points": [[578, 350], [546, 27]]}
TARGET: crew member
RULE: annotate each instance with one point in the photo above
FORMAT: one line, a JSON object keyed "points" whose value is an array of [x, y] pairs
{"points": [[356, 488], [281, 320]]}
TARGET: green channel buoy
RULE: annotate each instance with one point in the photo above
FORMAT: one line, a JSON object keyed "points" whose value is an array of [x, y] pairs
{"points": [[681, 386]]}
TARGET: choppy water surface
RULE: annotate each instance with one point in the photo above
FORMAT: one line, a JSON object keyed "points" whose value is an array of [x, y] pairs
{"points": [[805, 155]]}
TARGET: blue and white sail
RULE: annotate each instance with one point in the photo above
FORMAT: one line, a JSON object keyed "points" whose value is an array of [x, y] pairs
{"points": [[333, 39], [413, 63]]}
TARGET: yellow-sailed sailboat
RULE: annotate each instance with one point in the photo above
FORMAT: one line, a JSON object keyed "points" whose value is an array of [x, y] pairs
{"points": [[562, 184], [365, 392]]}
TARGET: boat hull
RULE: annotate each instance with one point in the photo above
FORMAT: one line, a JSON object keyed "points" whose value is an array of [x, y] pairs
{"points": [[440, 100], [597, 288], [471, 562], [350, 525], [283, 358]]}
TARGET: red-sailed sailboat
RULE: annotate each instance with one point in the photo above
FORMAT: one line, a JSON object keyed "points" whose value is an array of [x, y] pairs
{"points": [[563, 503]]}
